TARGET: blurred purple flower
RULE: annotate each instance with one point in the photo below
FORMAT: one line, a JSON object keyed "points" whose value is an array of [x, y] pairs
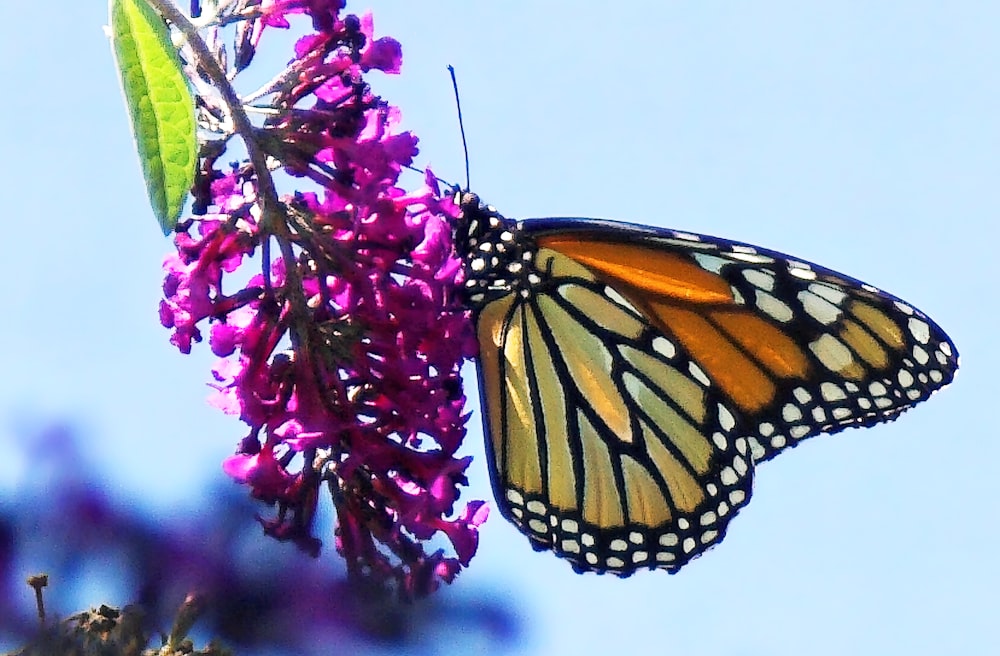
{"points": [[71, 523]]}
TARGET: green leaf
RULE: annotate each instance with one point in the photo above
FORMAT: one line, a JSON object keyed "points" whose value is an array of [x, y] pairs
{"points": [[159, 103]]}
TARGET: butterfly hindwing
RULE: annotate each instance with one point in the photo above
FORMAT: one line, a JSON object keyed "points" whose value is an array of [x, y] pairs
{"points": [[606, 444]]}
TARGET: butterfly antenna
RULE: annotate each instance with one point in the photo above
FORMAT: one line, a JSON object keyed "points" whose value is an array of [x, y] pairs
{"points": [[461, 124], [421, 171]]}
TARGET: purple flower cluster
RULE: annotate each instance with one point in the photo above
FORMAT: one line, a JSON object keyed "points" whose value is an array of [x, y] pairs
{"points": [[342, 355]]}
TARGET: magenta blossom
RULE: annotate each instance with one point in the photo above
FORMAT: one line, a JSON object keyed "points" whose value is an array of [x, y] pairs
{"points": [[342, 353]]}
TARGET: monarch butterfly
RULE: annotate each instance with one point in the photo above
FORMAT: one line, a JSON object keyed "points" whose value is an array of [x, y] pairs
{"points": [[633, 377]]}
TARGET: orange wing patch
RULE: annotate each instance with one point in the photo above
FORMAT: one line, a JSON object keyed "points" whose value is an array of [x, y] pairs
{"points": [[654, 272], [742, 352]]}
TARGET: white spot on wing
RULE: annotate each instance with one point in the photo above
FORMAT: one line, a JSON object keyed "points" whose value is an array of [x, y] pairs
{"points": [[761, 279], [668, 540], [752, 258], [800, 270], [619, 299], [773, 307], [904, 308], [831, 352], [818, 308], [698, 374], [827, 292], [920, 330], [726, 419], [798, 432], [791, 412], [831, 392], [841, 413], [711, 263], [664, 347]]}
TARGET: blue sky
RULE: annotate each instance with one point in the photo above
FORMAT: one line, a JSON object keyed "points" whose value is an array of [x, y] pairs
{"points": [[861, 136]]}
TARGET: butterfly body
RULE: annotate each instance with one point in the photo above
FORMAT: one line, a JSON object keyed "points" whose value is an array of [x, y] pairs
{"points": [[633, 377]]}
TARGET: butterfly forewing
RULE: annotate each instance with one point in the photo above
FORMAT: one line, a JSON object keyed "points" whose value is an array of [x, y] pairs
{"points": [[799, 349], [631, 377]]}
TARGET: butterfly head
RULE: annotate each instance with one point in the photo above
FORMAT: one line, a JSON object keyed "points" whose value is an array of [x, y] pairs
{"points": [[475, 221]]}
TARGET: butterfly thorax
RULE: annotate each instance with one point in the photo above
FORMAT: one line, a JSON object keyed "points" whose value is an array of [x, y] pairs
{"points": [[496, 254]]}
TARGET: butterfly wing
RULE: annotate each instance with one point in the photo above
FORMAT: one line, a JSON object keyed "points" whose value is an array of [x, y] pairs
{"points": [[631, 377], [797, 348]]}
